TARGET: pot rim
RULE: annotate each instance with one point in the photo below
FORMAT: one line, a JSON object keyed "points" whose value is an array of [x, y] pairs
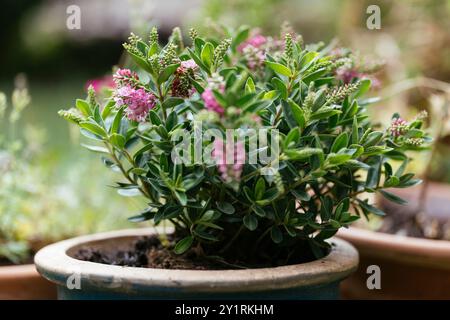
{"points": [[398, 247], [18, 271], [56, 265]]}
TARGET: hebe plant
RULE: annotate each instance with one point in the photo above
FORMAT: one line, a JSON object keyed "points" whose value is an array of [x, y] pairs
{"points": [[330, 155]]}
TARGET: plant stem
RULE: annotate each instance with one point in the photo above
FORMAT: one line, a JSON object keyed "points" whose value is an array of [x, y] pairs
{"points": [[161, 99]]}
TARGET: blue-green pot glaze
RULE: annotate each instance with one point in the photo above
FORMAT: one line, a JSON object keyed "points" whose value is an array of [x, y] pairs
{"points": [[78, 279]]}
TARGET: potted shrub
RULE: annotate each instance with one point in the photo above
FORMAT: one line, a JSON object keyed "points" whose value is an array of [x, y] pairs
{"points": [[251, 154], [411, 242], [33, 197]]}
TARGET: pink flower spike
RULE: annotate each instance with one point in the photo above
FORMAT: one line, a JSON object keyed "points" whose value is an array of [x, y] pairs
{"points": [[99, 84], [256, 41], [138, 102], [189, 64], [211, 102], [125, 77], [398, 127]]}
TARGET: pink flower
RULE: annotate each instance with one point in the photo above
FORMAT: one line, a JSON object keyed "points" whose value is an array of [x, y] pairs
{"points": [[181, 85], [189, 64], [398, 127], [255, 57], [347, 75], [138, 102], [211, 102], [223, 154], [257, 41], [101, 83], [125, 77]]}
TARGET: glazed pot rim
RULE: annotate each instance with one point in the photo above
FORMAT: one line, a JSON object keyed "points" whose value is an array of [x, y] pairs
{"points": [[17, 271], [396, 244], [56, 265]]}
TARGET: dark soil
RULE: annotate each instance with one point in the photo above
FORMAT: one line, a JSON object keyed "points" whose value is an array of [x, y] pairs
{"points": [[148, 252]]}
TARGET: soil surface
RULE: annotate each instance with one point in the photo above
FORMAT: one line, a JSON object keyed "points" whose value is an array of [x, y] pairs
{"points": [[149, 252]]}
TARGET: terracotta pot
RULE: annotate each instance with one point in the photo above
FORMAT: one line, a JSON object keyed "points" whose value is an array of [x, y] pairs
{"points": [[411, 268], [25, 283], [313, 280]]}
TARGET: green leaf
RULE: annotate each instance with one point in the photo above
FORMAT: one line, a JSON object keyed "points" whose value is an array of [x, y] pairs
{"points": [[117, 140], [390, 182], [303, 154], [225, 207], [279, 68], [181, 197], [108, 108], [301, 195], [171, 102], [172, 121], [372, 139], [392, 197], [276, 234], [240, 37], [355, 134], [319, 100], [250, 86], [167, 72], [325, 112], [129, 192], [83, 106], [370, 208], [340, 142], [315, 75], [143, 216], [142, 47], [198, 60], [373, 175], [364, 86], [298, 114], [288, 114], [154, 118], [96, 148], [281, 87], [260, 188], [271, 95], [154, 48], [337, 159], [115, 128], [141, 62], [292, 137], [251, 222], [207, 54], [94, 128], [183, 245], [259, 211]]}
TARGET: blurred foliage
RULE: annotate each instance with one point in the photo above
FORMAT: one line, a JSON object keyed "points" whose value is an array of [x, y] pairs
{"points": [[44, 195]]}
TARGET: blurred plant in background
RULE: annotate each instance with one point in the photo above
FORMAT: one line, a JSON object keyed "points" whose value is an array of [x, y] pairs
{"points": [[41, 202]]}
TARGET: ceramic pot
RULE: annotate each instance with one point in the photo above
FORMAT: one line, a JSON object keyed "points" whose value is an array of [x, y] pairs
{"points": [[25, 283], [411, 268], [313, 280]]}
